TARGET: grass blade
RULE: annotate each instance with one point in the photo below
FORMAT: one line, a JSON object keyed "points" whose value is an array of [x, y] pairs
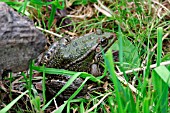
{"points": [[82, 110], [4, 110], [120, 39], [44, 88], [72, 96], [63, 88], [146, 105], [65, 72], [160, 78], [53, 11], [70, 81], [110, 64], [159, 48]]}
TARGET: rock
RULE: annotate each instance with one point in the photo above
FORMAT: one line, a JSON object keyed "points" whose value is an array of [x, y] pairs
{"points": [[20, 41]]}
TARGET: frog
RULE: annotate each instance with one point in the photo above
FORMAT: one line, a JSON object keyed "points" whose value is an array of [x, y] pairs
{"points": [[81, 54]]}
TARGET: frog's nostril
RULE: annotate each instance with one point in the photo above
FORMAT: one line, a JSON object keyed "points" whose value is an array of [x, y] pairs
{"points": [[98, 49], [47, 56]]}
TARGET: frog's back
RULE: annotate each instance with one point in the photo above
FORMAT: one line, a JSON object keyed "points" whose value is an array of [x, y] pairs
{"points": [[79, 46]]}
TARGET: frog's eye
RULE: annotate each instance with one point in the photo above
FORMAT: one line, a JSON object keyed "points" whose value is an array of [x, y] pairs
{"points": [[104, 42]]}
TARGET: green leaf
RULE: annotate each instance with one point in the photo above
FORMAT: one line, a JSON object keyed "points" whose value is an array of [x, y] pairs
{"points": [[130, 54], [163, 73]]}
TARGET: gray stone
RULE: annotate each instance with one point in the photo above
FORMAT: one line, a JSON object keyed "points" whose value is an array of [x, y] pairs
{"points": [[20, 41]]}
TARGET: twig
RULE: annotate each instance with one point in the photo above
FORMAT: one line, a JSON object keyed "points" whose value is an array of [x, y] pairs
{"points": [[92, 108], [104, 7], [122, 79], [161, 5], [19, 92], [102, 10], [2, 86], [134, 70], [79, 16], [50, 32], [143, 68], [56, 106]]}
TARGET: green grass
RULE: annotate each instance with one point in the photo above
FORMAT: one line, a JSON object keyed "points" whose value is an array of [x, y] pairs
{"points": [[138, 30]]}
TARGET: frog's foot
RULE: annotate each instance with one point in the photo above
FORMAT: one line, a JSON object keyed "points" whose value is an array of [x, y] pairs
{"points": [[95, 70]]}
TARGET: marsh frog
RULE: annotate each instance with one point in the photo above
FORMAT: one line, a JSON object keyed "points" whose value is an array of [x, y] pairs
{"points": [[80, 54]]}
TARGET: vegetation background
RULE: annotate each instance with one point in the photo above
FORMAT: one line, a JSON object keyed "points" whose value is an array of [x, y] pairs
{"points": [[138, 82]]}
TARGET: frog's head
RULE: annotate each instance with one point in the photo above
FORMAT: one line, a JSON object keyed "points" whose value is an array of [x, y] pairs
{"points": [[105, 41]]}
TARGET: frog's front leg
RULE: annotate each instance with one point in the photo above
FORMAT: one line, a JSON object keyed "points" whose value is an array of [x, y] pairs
{"points": [[95, 70]]}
